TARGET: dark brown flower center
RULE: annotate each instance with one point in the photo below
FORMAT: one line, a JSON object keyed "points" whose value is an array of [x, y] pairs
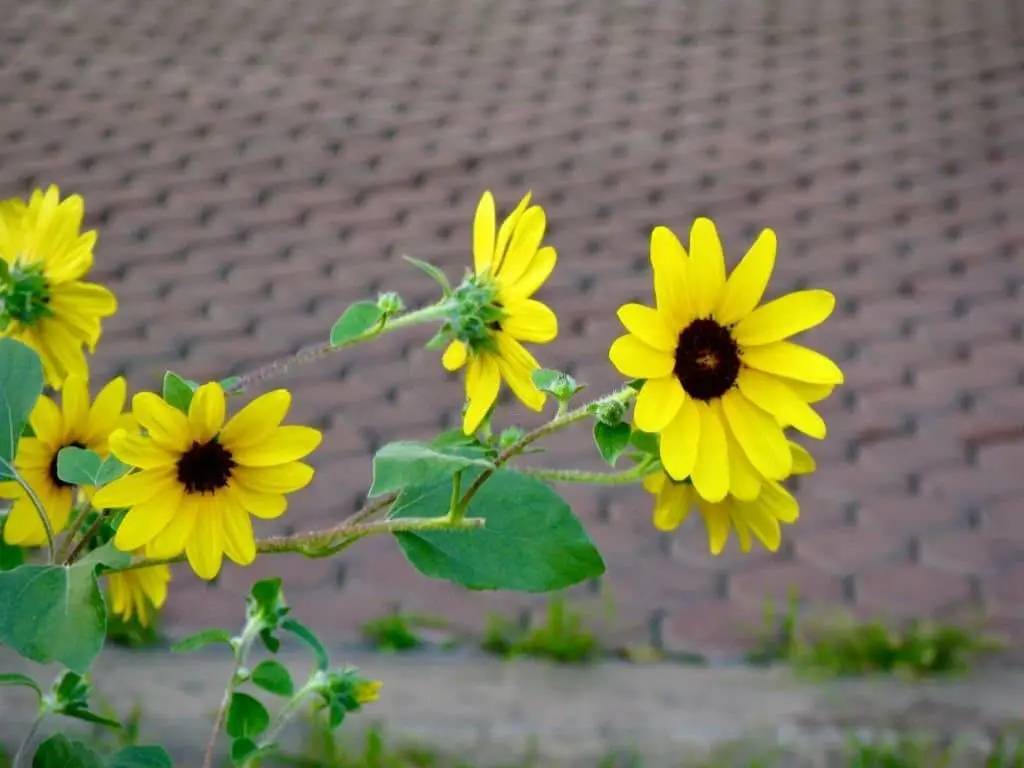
{"points": [[205, 467], [54, 477], [707, 360]]}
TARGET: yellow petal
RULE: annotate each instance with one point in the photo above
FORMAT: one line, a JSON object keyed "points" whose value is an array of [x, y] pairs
{"points": [[759, 435], [106, 410], [779, 503], [524, 246], [144, 522], [505, 233], [654, 482], [47, 423], [483, 379], [742, 532], [284, 478], [284, 445], [454, 356], [165, 424], [764, 525], [530, 320], [239, 540], [516, 365], [679, 440], [171, 541], [87, 299], [669, 263], [672, 506], [648, 325], [141, 452], [658, 403], [540, 269], [771, 394], [252, 424], [74, 401], [136, 488], [744, 481], [631, 357], [783, 358], [33, 454], [784, 317], [710, 474], [206, 412], [810, 393], [23, 528], [747, 283], [718, 522], [707, 267], [803, 462], [483, 233], [266, 506], [205, 548]]}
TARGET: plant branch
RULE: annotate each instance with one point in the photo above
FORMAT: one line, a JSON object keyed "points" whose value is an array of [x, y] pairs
{"points": [[21, 755], [242, 644], [314, 352], [44, 519], [83, 542], [73, 528], [623, 477]]}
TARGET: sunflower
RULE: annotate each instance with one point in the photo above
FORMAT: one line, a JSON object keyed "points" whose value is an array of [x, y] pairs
{"points": [[721, 377], [497, 311], [138, 592], [75, 423], [43, 301], [760, 515], [200, 479]]}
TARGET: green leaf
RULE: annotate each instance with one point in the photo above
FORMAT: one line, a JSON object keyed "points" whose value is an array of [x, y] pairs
{"points": [[201, 640], [177, 391], [230, 382], [21, 384], [13, 678], [636, 384], [78, 466], [141, 757], [242, 749], [59, 751], [433, 272], [306, 635], [406, 463], [646, 442], [11, 556], [53, 613], [358, 320], [111, 470], [246, 716], [274, 677], [108, 557], [80, 713], [611, 440], [560, 385], [532, 542]]}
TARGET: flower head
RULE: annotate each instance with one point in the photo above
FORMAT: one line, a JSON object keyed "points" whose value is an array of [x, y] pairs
{"points": [[43, 301], [138, 592], [495, 310], [200, 479], [368, 691], [721, 377], [758, 516], [75, 423]]}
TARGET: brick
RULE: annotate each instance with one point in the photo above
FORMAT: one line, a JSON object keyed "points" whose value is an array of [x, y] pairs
{"points": [[849, 549], [915, 591]]}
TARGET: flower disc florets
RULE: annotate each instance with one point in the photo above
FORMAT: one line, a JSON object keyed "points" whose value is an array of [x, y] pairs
{"points": [[24, 294], [476, 314]]}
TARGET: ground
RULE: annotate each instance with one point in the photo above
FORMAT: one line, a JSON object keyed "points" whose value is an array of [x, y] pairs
{"points": [[254, 167]]}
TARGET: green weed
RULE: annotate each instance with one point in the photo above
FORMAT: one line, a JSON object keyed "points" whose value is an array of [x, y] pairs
{"points": [[399, 631], [563, 637]]}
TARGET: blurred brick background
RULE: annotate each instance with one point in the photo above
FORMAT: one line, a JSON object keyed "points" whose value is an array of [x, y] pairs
{"points": [[253, 167]]}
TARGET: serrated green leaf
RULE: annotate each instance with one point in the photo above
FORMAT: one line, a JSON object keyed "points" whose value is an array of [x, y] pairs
{"points": [[303, 632], [273, 677], [533, 545], [141, 757], [177, 391], [201, 640], [357, 321], [59, 751], [611, 440], [246, 716], [433, 272], [21, 384], [406, 463]]}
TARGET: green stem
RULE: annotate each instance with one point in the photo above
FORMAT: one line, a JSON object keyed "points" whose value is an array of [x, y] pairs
{"points": [[287, 713], [242, 647], [21, 756], [309, 354], [41, 512], [625, 477], [456, 511], [84, 540]]}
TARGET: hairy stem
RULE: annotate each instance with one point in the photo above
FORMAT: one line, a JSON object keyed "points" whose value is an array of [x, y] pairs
{"points": [[280, 367], [242, 646], [624, 477]]}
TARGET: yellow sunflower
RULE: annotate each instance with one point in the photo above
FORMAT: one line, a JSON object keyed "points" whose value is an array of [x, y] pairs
{"points": [[721, 377], [43, 301], [508, 268], [138, 592], [200, 479], [759, 515], [74, 423]]}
